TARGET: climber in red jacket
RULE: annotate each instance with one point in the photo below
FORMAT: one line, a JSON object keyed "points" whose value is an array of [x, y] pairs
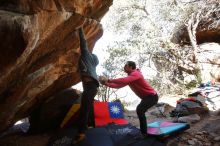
{"points": [[140, 87]]}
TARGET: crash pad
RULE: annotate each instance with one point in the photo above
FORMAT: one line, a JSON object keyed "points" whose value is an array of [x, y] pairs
{"points": [[109, 135], [63, 137], [166, 128]]}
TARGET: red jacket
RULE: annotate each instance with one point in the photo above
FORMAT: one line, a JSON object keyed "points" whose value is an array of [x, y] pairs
{"points": [[135, 81]]}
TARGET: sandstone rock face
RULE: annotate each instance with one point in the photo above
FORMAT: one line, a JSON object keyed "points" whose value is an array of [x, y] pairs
{"points": [[205, 21], [40, 50], [209, 61], [207, 35]]}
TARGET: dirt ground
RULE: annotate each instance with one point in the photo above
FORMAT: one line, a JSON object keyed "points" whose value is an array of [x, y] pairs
{"points": [[205, 132]]}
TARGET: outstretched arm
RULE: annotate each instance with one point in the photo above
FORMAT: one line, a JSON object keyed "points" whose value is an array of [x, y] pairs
{"points": [[83, 43], [103, 80], [114, 85], [126, 80]]}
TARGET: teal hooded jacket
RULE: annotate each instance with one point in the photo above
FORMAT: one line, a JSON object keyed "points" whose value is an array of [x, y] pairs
{"points": [[88, 61]]}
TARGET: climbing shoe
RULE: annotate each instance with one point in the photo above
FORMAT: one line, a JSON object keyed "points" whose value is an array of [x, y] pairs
{"points": [[80, 137]]}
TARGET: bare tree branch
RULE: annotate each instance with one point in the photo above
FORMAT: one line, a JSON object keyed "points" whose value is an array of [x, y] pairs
{"points": [[143, 8], [191, 1], [191, 28]]}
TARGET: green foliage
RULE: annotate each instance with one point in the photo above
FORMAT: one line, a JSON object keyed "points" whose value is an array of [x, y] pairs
{"points": [[164, 88], [113, 68], [191, 84], [113, 65], [198, 75], [103, 93], [143, 30]]}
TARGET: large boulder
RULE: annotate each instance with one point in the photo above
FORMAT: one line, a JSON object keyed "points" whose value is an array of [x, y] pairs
{"points": [[209, 61], [51, 113], [40, 50], [206, 23], [207, 33]]}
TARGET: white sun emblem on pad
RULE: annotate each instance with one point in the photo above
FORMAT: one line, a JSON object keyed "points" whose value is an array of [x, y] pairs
{"points": [[115, 109]]}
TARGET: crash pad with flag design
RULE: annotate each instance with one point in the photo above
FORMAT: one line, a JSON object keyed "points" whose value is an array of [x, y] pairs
{"points": [[108, 112]]}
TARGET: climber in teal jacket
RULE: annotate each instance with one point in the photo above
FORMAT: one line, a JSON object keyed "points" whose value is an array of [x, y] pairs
{"points": [[88, 63]]}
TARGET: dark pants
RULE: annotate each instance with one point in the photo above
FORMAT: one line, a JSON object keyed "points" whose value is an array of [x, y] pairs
{"points": [[142, 107], [89, 92]]}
